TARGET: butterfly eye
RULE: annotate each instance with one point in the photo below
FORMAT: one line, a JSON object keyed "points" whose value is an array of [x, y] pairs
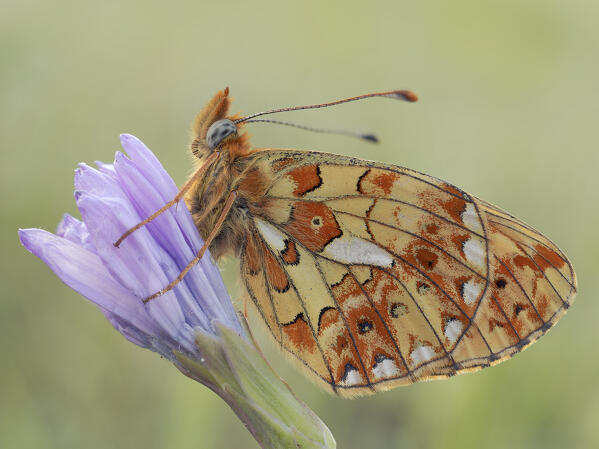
{"points": [[219, 131]]}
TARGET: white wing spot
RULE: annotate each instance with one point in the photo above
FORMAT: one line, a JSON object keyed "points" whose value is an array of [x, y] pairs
{"points": [[274, 237], [470, 291], [352, 377], [385, 368], [453, 329], [422, 354], [356, 250], [474, 251], [471, 219]]}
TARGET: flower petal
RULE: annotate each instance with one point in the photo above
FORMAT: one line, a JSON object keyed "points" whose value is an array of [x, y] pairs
{"points": [[149, 165], [139, 263], [165, 229], [85, 273], [75, 231], [152, 170]]}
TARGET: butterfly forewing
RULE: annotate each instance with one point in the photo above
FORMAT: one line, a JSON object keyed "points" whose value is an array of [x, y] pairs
{"points": [[375, 276]]}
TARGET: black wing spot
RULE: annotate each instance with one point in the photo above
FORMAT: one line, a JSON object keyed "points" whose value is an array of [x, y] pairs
{"points": [[398, 309], [365, 326], [517, 309], [423, 288], [500, 283]]}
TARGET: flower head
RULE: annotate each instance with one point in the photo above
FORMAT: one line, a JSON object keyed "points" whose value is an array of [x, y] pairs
{"points": [[111, 199], [194, 325]]}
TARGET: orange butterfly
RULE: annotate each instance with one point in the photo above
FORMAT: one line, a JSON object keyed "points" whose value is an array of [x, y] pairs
{"points": [[371, 275]]}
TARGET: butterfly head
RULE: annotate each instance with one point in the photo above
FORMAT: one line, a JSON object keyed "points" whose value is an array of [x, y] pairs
{"points": [[214, 130]]}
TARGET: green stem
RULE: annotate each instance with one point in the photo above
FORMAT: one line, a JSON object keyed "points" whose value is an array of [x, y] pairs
{"points": [[237, 372]]}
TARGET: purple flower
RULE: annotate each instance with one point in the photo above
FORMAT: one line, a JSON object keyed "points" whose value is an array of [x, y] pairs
{"points": [[111, 199], [194, 325]]}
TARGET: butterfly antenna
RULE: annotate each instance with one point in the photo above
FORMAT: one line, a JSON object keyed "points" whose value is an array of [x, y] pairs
{"points": [[368, 137], [405, 95]]}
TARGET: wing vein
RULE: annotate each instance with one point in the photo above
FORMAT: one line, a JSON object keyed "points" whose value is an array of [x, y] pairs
{"points": [[505, 316], [544, 275], [511, 218], [556, 249], [482, 296]]}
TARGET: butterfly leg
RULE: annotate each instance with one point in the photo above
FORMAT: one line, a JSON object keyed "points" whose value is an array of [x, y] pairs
{"points": [[198, 257], [213, 157]]}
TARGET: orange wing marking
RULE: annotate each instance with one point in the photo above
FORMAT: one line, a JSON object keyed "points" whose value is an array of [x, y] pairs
{"points": [[290, 254], [385, 182], [524, 225], [544, 275], [306, 179], [298, 331], [313, 220]]}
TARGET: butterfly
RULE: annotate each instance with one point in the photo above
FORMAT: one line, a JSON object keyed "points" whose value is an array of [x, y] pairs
{"points": [[369, 275]]}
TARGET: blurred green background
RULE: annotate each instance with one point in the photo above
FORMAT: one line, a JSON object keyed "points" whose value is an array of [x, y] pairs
{"points": [[509, 111]]}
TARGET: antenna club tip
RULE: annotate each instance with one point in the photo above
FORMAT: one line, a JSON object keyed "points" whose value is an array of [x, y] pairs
{"points": [[407, 95], [370, 138]]}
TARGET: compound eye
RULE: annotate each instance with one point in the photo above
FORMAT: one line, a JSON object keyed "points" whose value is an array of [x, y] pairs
{"points": [[218, 131]]}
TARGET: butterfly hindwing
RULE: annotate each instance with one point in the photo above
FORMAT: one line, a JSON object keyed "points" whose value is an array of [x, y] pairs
{"points": [[375, 276]]}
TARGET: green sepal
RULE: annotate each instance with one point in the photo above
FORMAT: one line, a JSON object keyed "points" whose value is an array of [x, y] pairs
{"points": [[238, 373]]}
